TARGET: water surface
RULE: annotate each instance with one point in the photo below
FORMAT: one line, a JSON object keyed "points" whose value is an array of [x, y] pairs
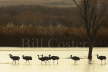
{"points": [[65, 64]]}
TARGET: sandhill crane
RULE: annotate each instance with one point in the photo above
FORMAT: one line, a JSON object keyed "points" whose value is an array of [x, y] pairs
{"points": [[54, 58], [43, 58], [75, 58], [14, 58], [101, 58], [27, 58]]}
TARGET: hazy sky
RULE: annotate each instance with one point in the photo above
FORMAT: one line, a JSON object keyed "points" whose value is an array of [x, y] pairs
{"points": [[42, 2]]}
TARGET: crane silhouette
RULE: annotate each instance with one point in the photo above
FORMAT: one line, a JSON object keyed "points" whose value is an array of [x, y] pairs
{"points": [[27, 58], [75, 58], [43, 58], [53, 58], [14, 58], [101, 58]]}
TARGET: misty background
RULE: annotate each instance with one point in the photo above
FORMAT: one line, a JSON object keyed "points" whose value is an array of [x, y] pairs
{"points": [[44, 23]]}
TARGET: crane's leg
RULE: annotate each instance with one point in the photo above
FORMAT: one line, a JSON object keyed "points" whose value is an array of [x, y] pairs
{"points": [[101, 61], [53, 61], [57, 61], [15, 61], [105, 61]]}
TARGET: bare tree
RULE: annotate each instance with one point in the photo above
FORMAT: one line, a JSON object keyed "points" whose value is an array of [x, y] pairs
{"points": [[92, 17]]}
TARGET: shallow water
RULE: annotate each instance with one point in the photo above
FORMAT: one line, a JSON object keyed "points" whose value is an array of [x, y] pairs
{"points": [[65, 64]]}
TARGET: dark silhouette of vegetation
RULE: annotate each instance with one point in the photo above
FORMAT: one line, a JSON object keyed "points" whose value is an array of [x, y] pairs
{"points": [[51, 26]]}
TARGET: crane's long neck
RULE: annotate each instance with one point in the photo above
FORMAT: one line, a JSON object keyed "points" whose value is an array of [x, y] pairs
{"points": [[23, 56], [38, 56], [42, 56], [11, 56], [71, 56], [97, 56], [49, 55]]}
